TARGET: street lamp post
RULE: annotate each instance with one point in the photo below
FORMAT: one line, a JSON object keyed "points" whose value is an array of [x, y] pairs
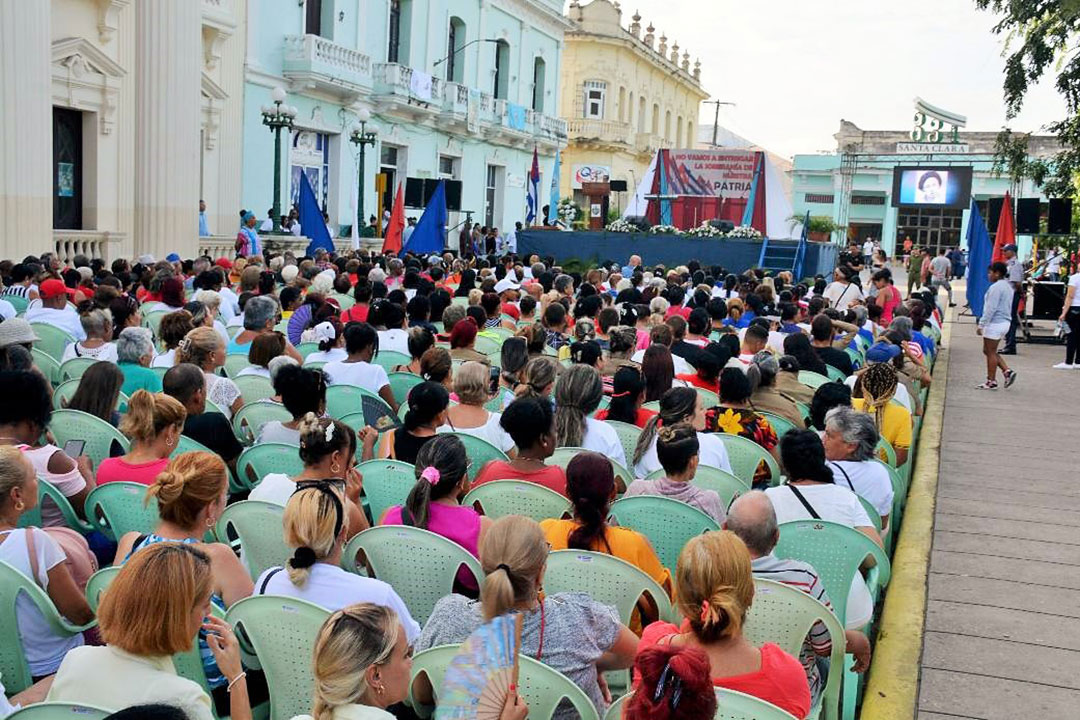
{"points": [[277, 117], [360, 137]]}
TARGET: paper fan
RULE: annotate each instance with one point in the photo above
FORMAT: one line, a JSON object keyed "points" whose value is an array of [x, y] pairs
{"points": [[378, 415], [478, 679]]}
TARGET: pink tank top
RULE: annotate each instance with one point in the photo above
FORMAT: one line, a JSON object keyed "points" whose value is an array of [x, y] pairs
{"points": [[891, 302], [454, 522]]}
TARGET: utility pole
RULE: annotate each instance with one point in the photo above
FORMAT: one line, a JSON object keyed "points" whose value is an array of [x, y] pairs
{"points": [[716, 117]]}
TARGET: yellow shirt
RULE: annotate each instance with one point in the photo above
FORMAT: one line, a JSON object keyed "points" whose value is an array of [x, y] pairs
{"points": [[623, 543], [895, 424]]}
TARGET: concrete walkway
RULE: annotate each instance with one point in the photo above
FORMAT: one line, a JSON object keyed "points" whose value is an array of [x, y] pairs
{"points": [[1003, 613]]}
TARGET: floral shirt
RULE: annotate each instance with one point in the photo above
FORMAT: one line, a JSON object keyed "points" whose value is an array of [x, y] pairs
{"points": [[748, 424]]}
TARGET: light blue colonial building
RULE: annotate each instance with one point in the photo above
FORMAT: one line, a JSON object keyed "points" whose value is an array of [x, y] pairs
{"points": [[457, 89]]}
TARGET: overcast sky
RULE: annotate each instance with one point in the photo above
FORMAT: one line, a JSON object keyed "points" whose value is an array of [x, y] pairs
{"points": [[796, 67]]}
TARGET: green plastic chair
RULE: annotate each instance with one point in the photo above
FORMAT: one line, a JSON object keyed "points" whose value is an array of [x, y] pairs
{"points": [[306, 348], [781, 425], [813, 379], [420, 565], [517, 497], [185, 444], [13, 667], [480, 452], [252, 416], [317, 365], [98, 583], [48, 365], [74, 368], [607, 579], [63, 393], [234, 363], [708, 397], [744, 456], [282, 633], [256, 526], [886, 452], [628, 436], [233, 330], [51, 339], [855, 356], [257, 462], [541, 687], [117, 508], [615, 709], [342, 400], [390, 359], [152, 320], [835, 374], [402, 382], [723, 483], [98, 434], [871, 511], [563, 455], [386, 483], [804, 410], [488, 345], [344, 301], [254, 388], [668, 524], [60, 711], [653, 405], [18, 302], [32, 517], [732, 705]]}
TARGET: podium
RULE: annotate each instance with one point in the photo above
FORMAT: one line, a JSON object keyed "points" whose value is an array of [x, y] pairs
{"points": [[598, 194]]}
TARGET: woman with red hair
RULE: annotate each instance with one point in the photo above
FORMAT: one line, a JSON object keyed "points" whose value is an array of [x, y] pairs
{"points": [[463, 342], [673, 684]]}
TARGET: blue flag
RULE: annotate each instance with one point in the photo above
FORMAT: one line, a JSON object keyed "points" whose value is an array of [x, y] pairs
{"points": [[429, 235], [553, 200], [979, 253], [532, 191], [311, 219]]}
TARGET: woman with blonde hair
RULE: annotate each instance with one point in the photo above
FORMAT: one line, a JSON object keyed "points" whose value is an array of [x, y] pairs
{"points": [[716, 590], [156, 604], [567, 631], [204, 348], [538, 378], [316, 528], [472, 384], [153, 423]]}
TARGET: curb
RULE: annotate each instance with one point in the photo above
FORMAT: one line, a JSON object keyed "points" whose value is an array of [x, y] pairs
{"points": [[893, 686]]}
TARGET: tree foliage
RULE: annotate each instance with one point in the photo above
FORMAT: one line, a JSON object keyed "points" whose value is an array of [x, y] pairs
{"points": [[1042, 37]]}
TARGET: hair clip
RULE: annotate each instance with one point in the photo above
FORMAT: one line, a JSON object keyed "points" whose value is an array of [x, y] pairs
{"points": [[431, 474], [330, 431], [668, 675], [704, 610]]}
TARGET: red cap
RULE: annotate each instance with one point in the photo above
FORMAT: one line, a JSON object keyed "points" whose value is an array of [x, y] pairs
{"points": [[54, 288], [224, 262]]}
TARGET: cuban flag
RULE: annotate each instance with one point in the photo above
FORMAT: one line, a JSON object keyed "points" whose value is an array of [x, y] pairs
{"points": [[533, 191]]}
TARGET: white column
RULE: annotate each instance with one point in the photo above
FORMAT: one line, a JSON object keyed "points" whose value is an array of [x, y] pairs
{"points": [[168, 67], [26, 186]]}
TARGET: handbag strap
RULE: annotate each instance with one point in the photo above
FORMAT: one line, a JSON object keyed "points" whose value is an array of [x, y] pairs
{"points": [[805, 503], [843, 472]]}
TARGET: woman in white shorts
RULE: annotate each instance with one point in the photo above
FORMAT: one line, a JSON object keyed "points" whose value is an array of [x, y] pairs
{"points": [[994, 324]]}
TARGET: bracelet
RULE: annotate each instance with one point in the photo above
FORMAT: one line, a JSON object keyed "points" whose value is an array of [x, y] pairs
{"points": [[235, 680]]}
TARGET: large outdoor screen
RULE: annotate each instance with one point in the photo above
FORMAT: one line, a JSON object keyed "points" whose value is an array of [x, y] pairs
{"points": [[944, 187]]}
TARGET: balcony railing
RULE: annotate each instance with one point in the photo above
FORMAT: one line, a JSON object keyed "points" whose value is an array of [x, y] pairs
{"points": [[93, 244], [401, 81], [605, 131], [315, 58]]}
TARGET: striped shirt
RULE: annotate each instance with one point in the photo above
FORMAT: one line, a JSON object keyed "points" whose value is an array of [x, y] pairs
{"points": [[22, 291], [801, 576]]}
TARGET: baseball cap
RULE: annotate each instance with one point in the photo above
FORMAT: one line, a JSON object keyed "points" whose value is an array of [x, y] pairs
{"points": [[224, 262], [881, 352], [172, 257], [1009, 247], [504, 285], [54, 288]]}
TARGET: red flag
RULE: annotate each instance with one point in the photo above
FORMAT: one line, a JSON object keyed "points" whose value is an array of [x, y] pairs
{"points": [[392, 242], [1006, 230]]}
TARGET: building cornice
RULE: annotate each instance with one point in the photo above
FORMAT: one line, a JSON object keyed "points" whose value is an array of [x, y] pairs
{"points": [[641, 52]]}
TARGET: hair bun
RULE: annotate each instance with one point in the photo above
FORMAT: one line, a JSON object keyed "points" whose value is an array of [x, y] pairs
{"points": [[168, 486]]}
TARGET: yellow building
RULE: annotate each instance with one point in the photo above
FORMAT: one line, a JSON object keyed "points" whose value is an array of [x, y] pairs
{"points": [[624, 95]]}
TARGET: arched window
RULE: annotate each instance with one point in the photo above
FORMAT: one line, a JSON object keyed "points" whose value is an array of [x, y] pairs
{"points": [[539, 84], [455, 59], [678, 132], [656, 119], [641, 117], [667, 125], [630, 111], [393, 49], [691, 139], [502, 70], [622, 104]]}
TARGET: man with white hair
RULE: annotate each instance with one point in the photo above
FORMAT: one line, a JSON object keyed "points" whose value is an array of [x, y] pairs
{"points": [[634, 264], [753, 519]]}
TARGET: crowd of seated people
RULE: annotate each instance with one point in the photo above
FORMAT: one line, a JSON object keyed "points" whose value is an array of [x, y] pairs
{"points": [[691, 384]]}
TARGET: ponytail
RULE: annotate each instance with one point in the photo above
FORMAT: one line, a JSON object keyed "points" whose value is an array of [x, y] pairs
{"points": [[590, 481], [441, 465], [512, 557]]}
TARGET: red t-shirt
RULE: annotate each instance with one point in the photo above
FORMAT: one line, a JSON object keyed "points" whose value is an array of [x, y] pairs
{"points": [[357, 313], [781, 679], [695, 380], [678, 310], [641, 419], [552, 476]]}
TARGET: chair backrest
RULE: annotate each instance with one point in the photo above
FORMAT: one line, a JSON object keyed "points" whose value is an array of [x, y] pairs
{"points": [[563, 455], [18, 302], [628, 437], [32, 517], [784, 615], [60, 711], [708, 397], [487, 345], [254, 388], [234, 363], [781, 425], [74, 368], [732, 705], [835, 374], [256, 526], [420, 565], [185, 444], [812, 379], [401, 383], [98, 434], [117, 508], [342, 400], [390, 359], [723, 483], [251, 416], [669, 524], [282, 632], [52, 340], [386, 483], [306, 348], [480, 452], [745, 455], [607, 579], [98, 583], [517, 497], [871, 511], [63, 393], [152, 320], [47, 364], [615, 709], [886, 452], [836, 552], [13, 666], [258, 461]]}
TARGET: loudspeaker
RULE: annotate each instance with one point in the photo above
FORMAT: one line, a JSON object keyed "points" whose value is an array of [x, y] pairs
{"points": [[723, 225], [1059, 220], [1049, 300], [414, 192], [453, 194], [640, 222], [1027, 216], [618, 186], [429, 189], [993, 213]]}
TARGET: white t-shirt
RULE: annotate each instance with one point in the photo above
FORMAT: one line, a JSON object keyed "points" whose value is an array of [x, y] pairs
{"points": [[868, 248], [1053, 263], [362, 374], [106, 351], [711, 452], [602, 438], [333, 588], [7, 311], [1074, 281], [490, 431], [396, 340], [275, 432], [836, 504], [44, 650], [331, 355], [254, 371], [902, 395], [841, 295], [274, 488], [869, 480], [66, 319], [166, 359], [681, 366], [230, 304]]}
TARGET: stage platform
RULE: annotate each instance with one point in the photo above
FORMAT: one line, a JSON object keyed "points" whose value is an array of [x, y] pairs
{"points": [[735, 255]]}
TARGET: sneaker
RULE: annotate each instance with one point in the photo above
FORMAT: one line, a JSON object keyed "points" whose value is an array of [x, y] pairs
{"points": [[988, 385], [1065, 366], [1010, 377]]}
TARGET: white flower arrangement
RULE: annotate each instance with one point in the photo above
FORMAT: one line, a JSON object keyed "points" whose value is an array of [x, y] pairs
{"points": [[621, 226], [744, 231], [568, 212], [665, 230], [705, 230]]}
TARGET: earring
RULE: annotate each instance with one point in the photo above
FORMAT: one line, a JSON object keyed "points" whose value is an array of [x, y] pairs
{"points": [[19, 506], [169, 442], [335, 468], [210, 522]]}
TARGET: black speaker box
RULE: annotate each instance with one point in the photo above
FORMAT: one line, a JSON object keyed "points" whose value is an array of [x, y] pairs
{"points": [[1027, 216], [414, 192], [639, 221], [993, 213], [618, 186], [1059, 220], [453, 194]]}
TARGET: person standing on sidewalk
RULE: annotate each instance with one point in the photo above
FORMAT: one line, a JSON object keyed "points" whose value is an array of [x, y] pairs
{"points": [[1015, 276], [940, 270], [1070, 315], [914, 266], [994, 325]]}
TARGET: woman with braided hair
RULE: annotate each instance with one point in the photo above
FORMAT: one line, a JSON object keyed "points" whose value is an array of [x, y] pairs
{"points": [[874, 392], [577, 396]]}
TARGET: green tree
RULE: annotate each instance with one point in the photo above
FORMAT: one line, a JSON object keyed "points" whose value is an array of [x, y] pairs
{"points": [[1041, 36]]}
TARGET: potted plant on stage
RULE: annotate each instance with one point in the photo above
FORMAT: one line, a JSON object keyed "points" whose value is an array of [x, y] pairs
{"points": [[821, 227]]}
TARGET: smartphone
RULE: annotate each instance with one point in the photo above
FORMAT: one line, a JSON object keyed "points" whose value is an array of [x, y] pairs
{"points": [[495, 372], [74, 448]]}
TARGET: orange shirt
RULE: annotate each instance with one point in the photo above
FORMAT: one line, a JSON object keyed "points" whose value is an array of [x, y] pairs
{"points": [[623, 543]]}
